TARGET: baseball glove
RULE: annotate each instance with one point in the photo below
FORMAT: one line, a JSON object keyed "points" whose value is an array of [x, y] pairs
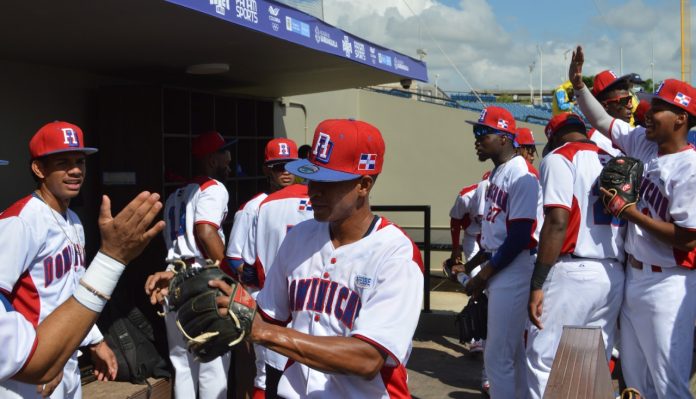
{"points": [[621, 177], [473, 319], [209, 334]]}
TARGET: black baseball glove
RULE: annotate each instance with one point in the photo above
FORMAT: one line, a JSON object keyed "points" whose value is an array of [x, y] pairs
{"points": [[621, 177], [473, 319], [209, 334]]}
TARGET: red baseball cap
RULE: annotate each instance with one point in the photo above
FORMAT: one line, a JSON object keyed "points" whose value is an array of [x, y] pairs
{"points": [[280, 150], [524, 136], [208, 143], [678, 93], [562, 120], [56, 137], [641, 110], [605, 80], [342, 149], [497, 118]]}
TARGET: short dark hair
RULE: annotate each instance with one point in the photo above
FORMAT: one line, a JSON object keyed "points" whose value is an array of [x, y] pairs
{"points": [[604, 94]]}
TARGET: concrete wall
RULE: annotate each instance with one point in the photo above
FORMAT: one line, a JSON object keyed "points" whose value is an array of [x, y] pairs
{"points": [[430, 149]]}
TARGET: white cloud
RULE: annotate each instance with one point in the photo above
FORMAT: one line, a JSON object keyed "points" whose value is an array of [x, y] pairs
{"points": [[491, 56]]}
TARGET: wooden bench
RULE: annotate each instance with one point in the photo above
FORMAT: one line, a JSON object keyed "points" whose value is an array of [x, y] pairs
{"points": [[580, 369], [158, 389]]}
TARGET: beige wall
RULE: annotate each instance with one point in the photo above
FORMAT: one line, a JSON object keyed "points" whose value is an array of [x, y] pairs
{"points": [[430, 149]]}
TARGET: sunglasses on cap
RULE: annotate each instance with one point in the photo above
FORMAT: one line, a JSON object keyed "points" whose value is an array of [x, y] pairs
{"points": [[483, 130], [624, 101], [277, 167]]}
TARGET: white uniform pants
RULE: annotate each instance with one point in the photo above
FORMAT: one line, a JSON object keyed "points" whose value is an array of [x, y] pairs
{"points": [[579, 292], [657, 330], [208, 379], [469, 246], [504, 356]]}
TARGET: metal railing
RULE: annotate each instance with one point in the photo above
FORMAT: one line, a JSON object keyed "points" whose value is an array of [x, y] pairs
{"points": [[425, 245]]}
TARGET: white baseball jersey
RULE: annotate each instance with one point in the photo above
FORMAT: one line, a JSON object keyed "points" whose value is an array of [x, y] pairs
{"points": [[277, 214], [666, 193], [603, 142], [370, 289], [19, 338], [465, 208], [243, 222], [202, 202], [569, 181], [514, 194], [41, 267]]}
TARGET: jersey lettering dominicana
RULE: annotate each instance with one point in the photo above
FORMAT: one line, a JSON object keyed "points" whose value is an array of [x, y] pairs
{"points": [[41, 265], [569, 181], [371, 290], [513, 194], [202, 202], [667, 193], [277, 214]]}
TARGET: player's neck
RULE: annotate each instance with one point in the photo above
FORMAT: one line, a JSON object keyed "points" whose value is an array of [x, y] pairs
{"points": [[59, 205], [503, 157], [672, 146], [352, 228]]}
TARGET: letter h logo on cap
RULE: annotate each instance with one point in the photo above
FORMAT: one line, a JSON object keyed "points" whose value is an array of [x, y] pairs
{"points": [[323, 147]]}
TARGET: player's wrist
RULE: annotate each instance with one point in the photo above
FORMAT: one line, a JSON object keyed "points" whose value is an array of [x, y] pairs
{"points": [[539, 275], [98, 282]]}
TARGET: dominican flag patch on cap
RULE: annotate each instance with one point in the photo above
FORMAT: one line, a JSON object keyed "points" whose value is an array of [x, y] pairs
{"points": [[305, 205], [367, 162], [682, 99], [502, 124]]}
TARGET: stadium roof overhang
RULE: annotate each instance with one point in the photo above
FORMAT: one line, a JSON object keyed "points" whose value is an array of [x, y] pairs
{"points": [[272, 50]]}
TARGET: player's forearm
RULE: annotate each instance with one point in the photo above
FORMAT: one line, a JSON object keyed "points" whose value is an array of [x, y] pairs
{"points": [[455, 230], [552, 236], [212, 244], [341, 355], [593, 111], [58, 337], [669, 233]]}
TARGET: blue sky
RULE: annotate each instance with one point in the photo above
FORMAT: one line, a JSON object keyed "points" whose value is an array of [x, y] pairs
{"points": [[493, 42]]}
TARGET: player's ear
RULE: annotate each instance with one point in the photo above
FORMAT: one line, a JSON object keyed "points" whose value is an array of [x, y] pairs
{"points": [[37, 168], [682, 119], [365, 185]]}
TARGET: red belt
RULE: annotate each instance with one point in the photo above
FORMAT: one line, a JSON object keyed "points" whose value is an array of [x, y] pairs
{"points": [[636, 264]]}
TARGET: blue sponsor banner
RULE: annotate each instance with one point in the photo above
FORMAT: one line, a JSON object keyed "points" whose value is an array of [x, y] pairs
{"points": [[286, 23]]}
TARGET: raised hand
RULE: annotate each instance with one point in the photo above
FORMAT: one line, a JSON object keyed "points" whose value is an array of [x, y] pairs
{"points": [[575, 69], [126, 235]]}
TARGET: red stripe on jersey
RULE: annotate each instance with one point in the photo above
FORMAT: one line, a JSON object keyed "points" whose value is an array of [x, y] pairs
{"points": [[292, 191], [31, 353], [204, 182], [25, 298], [532, 169], [260, 272], [416, 251], [572, 230], [611, 136], [271, 320], [251, 199], [569, 150], [377, 346], [396, 381], [207, 222], [468, 189], [684, 258], [16, 208]]}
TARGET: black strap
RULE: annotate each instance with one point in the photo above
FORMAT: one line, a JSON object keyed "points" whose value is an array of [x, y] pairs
{"points": [[375, 218]]}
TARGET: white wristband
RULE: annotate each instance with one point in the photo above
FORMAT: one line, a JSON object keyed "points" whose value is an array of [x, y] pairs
{"points": [[99, 282]]}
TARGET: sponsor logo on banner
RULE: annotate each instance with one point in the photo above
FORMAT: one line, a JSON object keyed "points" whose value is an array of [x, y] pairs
{"points": [[322, 36], [221, 6], [398, 64], [273, 13], [247, 10], [347, 46], [373, 55], [384, 59], [359, 50], [297, 26]]}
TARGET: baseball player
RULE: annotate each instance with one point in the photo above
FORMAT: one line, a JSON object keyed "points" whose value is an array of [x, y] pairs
{"points": [[526, 144], [613, 92], [277, 214], [44, 258], [659, 307], [343, 297], [194, 216], [278, 152], [580, 250], [509, 232], [35, 354]]}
